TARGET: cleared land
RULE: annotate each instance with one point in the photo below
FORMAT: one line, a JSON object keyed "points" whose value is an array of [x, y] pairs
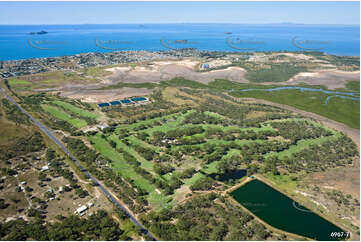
{"points": [[184, 149]]}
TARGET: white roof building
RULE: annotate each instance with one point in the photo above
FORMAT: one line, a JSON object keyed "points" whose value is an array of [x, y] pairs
{"points": [[81, 209], [45, 168]]}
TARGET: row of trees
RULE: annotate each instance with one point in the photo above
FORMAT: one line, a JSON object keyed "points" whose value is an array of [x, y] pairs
{"points": [[206, 217], [32, 143], [98, 226], [334, 152], [300, 129], [13, 113]]}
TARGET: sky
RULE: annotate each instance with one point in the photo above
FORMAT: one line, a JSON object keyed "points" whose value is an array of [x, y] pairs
{"points": [[179, 12]]}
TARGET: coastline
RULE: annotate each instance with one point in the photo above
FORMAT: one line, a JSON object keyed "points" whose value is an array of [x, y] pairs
{"points": [[169, 51]]}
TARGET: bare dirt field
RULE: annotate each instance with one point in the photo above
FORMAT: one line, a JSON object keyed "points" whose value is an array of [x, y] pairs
{"points": [[331, 78], [92, 96], [165, 70], [162, 71]]}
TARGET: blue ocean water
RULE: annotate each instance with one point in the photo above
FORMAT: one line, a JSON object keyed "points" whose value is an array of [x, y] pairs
{"points": [[61, 40]]}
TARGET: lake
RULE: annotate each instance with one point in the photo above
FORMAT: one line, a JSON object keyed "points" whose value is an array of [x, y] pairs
{"points": [[283, 213]]}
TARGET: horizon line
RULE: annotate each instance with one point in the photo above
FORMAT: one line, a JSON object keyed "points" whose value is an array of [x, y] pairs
{"points": [[281, 23]]}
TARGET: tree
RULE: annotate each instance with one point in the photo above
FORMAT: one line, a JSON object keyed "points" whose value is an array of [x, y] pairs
{"points": [[3, 205]]}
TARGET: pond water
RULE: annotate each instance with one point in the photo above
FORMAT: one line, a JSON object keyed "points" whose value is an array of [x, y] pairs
{"points": [[283, 213], [228, 176]]}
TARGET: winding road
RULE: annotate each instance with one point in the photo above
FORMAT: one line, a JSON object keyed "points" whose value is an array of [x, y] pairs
{"points": [[86, 172]]}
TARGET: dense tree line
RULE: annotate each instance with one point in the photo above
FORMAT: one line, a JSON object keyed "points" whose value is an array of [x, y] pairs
{"points": [[57, 124], [98, 226], [80, 150], [298, 130], [316, 157], [232, 111], [146, 152], [207, 217], [13, 113], [22, 146], [159, 136], [203, 184], [256, 122], [198, 117], [217, 132]]}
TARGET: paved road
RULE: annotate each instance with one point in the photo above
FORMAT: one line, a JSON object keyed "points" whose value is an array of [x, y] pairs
{"points": [[56, 141]]}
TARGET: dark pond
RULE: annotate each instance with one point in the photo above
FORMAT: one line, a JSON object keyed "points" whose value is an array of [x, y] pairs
{"points": [[283, 213], [228, 176]]}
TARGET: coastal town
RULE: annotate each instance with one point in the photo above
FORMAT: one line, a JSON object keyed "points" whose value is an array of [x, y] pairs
{"points": [[85, 60]]}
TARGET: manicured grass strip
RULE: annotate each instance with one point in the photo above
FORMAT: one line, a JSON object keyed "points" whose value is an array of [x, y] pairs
{"points": [[159, 201], [265, 127], [59, 114], [76, 110], [180, 117], [144, 163], [212, 167], [169, 125], [302, 144], [193, 179], [135, 140], [15, 81], [119, 164]]}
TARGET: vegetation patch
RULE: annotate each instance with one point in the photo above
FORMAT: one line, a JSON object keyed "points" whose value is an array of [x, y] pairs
{"points": [[59, 114]]}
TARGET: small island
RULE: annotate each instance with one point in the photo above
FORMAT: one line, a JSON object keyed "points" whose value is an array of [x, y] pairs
{"points": [[38, 33]]}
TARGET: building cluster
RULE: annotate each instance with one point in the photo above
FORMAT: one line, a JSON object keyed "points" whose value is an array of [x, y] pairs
{"points": [[85, 60]]}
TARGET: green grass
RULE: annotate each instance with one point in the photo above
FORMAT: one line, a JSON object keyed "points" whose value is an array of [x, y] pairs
{"points": [[342, 110], [144, 163], [147, 85], [119, 164], [278, 73], [181, 82], [150, 121], [15, 81], [283, 181], [60, 114], [193, 179], [159, 201], [96, 72], [169, 125], [76, 110], [212, 167], [353, 86], [302, 144], [222, 84]]}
